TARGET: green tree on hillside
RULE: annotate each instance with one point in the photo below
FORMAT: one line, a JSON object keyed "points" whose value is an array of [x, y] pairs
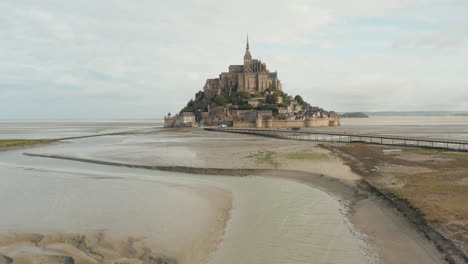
{"points": [[299, 99], [245, 107], [270, 99], [191, 103], [243, 95], [220, 100]]}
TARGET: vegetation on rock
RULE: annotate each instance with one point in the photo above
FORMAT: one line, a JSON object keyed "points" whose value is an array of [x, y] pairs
{"points": [[220, 100], [299, 99]]}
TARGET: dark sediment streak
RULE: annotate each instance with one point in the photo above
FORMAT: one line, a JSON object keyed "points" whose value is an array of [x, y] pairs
{"points": [[326, 183], [192, 170]]}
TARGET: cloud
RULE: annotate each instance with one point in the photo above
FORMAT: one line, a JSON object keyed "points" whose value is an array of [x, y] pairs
{"points": [[451, 36], [122, 59]]}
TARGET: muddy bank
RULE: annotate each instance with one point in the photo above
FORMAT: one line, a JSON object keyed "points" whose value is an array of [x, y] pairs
{"points": [[424, 185], [452, 254], [394, 239], [182, 169], [329, 184]]}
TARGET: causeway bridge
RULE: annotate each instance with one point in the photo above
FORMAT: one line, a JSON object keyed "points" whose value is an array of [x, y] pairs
{"points": [[345, 137]]}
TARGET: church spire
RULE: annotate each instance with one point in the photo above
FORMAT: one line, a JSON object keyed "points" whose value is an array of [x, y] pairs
{"points": [[247, 49]]}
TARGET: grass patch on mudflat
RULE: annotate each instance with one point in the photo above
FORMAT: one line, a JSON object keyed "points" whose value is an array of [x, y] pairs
{"points": [[265, 157], [9, 144], [306, 156]]}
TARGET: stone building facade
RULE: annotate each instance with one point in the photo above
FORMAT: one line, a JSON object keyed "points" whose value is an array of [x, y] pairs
{"points": [[252, 77], [184, 119]]}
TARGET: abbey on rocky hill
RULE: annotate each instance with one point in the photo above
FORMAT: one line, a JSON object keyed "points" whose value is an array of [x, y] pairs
{"points": [[252, 77], [249, 96]]}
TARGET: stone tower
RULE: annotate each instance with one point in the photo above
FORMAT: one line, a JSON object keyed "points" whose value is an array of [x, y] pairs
{"points": [[247, 58], [252, 77]]}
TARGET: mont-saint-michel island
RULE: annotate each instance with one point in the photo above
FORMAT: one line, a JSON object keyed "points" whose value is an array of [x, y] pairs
{"points": [[249, 96]]}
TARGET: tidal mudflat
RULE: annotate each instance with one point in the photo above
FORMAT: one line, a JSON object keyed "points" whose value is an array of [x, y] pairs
{"points": [[292, 211], [180, 216]]}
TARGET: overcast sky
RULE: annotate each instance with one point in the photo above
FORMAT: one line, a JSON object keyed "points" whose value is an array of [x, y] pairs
{"points": [[142, 59]]}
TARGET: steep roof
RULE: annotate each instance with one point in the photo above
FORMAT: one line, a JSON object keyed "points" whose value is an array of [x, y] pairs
{"points": [[247, 52]]}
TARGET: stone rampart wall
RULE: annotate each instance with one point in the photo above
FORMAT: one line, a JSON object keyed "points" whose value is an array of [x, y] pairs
{"points": [[243, 124], [270, 123], [317, 122], [283, 123], [261, 123]]}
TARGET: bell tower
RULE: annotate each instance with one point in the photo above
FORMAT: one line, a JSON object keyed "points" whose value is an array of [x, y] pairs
{"points": [[247, 58]]}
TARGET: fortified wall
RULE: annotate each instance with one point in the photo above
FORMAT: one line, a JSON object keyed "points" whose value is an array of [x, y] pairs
{"points": [[273, 123]]}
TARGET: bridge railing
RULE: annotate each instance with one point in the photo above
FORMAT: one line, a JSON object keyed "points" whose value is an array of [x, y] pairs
{"points": [[322, 136]]}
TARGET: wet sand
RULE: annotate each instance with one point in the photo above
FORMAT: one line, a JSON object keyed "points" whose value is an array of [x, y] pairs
{"points": [[288, 213], [123, 205]]}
